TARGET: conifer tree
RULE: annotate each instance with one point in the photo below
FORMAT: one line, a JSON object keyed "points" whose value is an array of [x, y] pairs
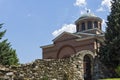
{"points": [[110, 51], [7, 54]]}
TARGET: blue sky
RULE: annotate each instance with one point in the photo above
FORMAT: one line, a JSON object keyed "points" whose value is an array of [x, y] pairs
{"points": [[34, 23]]}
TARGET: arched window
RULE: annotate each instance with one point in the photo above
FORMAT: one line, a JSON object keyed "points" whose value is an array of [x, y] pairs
{"points": [[100, 25], [89, 25], [95, 24], [77, 27], [83, 26]]}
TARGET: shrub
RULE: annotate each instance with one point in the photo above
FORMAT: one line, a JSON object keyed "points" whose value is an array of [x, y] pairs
{"points": [[118, 71], [45, 78]]}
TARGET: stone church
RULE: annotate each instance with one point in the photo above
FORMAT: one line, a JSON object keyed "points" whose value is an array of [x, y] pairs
{"points": [[72, 56], [88, 36]]}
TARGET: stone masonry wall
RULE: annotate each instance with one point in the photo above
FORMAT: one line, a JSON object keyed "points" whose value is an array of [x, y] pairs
{"points": [[54, 69], [47, 69]]}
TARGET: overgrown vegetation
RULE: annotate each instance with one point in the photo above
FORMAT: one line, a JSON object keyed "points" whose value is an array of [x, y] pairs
{"points": [[7, 54], [111, 79], [117, 70], [45, 78], [66, 77], [110, 51]]}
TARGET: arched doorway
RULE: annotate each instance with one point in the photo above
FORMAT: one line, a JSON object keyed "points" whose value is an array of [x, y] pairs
{"points": [[87, 67]]}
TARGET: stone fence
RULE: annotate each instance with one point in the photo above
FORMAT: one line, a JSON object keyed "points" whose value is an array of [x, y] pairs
{"points": [[46, 69], [53, 69]]}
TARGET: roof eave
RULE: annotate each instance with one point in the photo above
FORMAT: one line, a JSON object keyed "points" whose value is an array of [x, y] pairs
{"points": [[47, 46], [80, 19]]}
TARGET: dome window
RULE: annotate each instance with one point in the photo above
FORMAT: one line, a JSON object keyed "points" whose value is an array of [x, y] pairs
{"points": [[77, 27], [95, 24], [89, 24], [83, 26]]}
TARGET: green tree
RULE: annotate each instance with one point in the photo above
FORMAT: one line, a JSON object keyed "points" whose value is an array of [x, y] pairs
{"points": [[110, 51], [7, 54]]}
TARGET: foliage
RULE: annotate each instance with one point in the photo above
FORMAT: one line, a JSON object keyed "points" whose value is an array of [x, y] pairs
{"points": [[7, 54], [111, 79], [45, 78], [118, 70], [110, 51], [66, 77]]}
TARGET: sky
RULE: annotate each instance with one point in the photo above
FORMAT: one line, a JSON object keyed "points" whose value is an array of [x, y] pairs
{"points": [[34, 23]]}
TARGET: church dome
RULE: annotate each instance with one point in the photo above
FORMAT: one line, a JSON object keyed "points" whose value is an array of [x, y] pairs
{"points": [[88, 16], [88, 21]]}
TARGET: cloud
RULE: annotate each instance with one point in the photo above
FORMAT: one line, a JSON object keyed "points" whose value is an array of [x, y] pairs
{"points": [[66, 27], [104, 4], [103, 24], [82, 12], [100, 9], [80, 3]]}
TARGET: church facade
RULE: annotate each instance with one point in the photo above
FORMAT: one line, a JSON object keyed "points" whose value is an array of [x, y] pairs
{"points": [[88, 37]]}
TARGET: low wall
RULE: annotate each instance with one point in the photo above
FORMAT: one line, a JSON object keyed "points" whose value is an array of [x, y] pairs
{"points": [[54, 69], [47, 69]]}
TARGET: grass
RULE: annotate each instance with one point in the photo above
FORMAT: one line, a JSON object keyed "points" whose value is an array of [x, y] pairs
{"points": [[111, 79]]}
